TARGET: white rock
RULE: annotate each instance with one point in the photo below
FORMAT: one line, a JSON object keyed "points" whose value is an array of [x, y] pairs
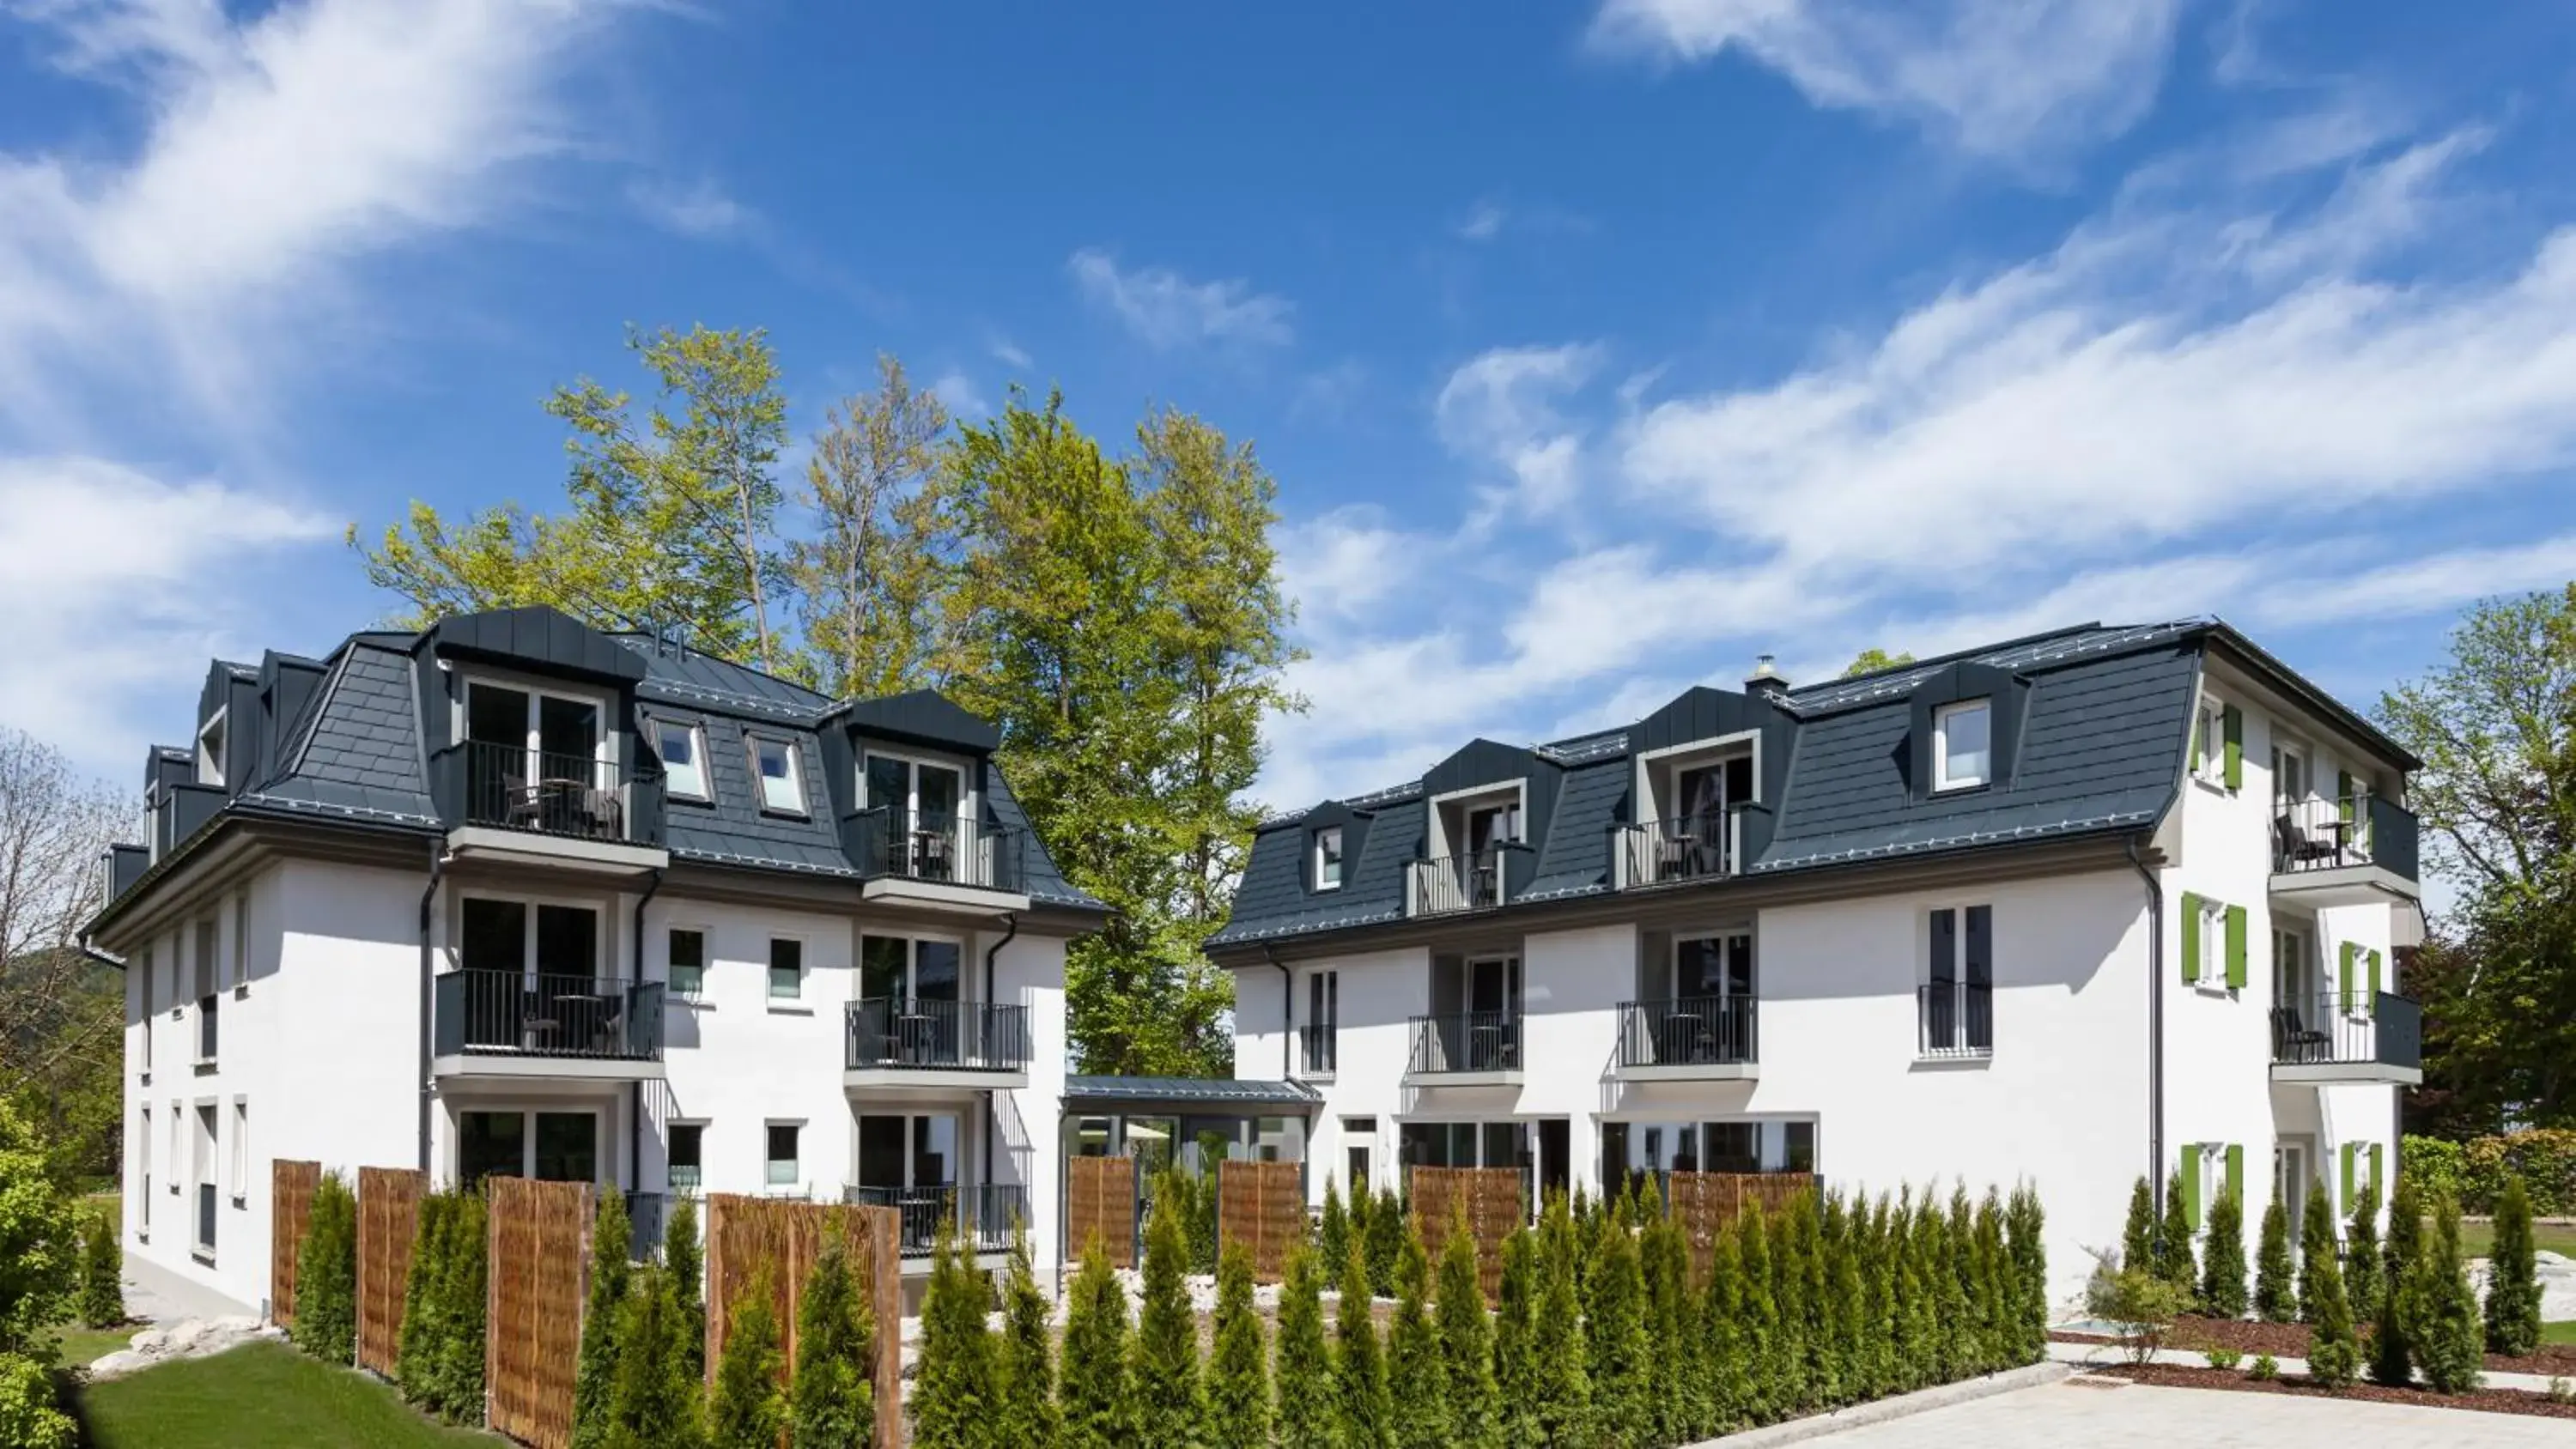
{"points": [[118, 1364]]}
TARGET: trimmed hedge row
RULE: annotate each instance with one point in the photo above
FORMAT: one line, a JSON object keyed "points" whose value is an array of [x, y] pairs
{"points": [[2475, 1172]]}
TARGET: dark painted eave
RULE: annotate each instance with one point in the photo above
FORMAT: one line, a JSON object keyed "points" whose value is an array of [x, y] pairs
{"points": [[2257, 660], [1189, 1091]]}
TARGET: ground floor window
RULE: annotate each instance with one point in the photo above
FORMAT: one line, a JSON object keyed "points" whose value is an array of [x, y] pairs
{"points": [[548, 1146], [918, 1151], [1359, 1140], [1632, 1151], [688, 1156], [1463, 1144], [784, 1168]]}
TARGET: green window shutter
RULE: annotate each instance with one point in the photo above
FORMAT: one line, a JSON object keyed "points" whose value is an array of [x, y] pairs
{"points": [[2199, 752], [2188, 1184], [2344, 981], [2232, 720], [2236, 1172], [2190, 937], [2347, 1198], [2370, 1003], [2374, 1172], [2343, 795], [2236, 947]]}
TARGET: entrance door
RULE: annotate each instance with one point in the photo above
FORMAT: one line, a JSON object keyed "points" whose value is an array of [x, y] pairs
{"points": [[2290, 1182], [1555, 1158], [1494, 1008]]}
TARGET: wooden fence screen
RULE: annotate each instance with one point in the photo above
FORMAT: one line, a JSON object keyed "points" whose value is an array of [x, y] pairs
{"points": [[744, 1235], [1262, 1205], [1707, 1203], [388, 1219], [1494, 1205], [290, 1207], [1100, 1198], [540, 1271]]}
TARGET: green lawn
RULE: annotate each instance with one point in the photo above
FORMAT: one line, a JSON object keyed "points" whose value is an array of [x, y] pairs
{"points": [[85, 1346], [265, 1394], [2558, 1333], [2477, 1233]]}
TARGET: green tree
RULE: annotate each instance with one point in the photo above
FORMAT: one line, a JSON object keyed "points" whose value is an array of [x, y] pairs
{"points": [[1874, 659], [1028, 1418], [953, 1393], [832, 1399], [749, 1410], [1515, 1329], [655, 1403], [2318, 1247], [326, 1275], [2138, 1237], [39, 1265], [2334, 1351], [870, 576], [2276, 1297], [1467, 1339], [2365, 1271], [2392, 1332], [1171, 1402], [31, 1415], [1360, 1389], [1415, 1370], [2513, 1283], [62, 1012], [102, 1273], [1384, 1241], [1238, 1392], [2448, 1340], [1616, 1349], [1561, 1403], [2174, 1261], [1309, 1412], [1769, 1396], [2028, 1224], [2222, 1270], [669, 522], [594, 1381], [683, 1255], [1092, 1392], [1333, 1232], [1722, 1346]]}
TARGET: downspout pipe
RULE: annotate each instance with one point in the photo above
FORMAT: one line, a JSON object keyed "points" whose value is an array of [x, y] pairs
{"points": [[635, 1090], [428, 995], [993, 1119], [1287, 1011], [2155, 1023]]}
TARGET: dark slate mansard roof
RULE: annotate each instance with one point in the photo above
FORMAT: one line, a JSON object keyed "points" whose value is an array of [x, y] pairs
{"points": [[2100, 717], [340, 740]]}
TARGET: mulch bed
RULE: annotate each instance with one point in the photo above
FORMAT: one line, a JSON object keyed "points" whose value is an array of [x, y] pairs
{"points": [[2489, 1401], [2290, 1340]]}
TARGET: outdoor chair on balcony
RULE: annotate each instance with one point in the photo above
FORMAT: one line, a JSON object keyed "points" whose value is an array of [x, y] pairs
{"points": [[930, 854], [2298, 847], [2293, 1040]]}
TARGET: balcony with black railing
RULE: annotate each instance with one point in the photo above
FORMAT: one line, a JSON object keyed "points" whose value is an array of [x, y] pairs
{"points": [[513, 1023], [2355, 850], [897, 849], [1687, 1038], [1466, 1047], [1954, 1020], [1480, 881], [983, 1213], [1682, 849], [507, 786], [2339, 1036], [890, 1039]]}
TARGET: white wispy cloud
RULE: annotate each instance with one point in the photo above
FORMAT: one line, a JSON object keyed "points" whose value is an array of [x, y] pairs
{"points": [[1166, 310], [1010, 354], [1999, 78], [957, 392], [698, 209], [1504, 408]]}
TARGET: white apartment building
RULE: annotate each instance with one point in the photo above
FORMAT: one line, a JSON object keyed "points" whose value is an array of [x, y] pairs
{"points": [[2075, 908], [513, 895]]}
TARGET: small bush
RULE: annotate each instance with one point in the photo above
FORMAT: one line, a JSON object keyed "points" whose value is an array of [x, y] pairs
{"points": [[1027, 1362], [2334, 1352], [102, 1278], [2513, 1282], [2392, 1327], [594, 1379], [2138, 1237], [1333, 1231], [2139, 1305], [1091, 1393], [2476, 1171], [2560, 1391], [1385, 1241], [2220, 1356], [2366, 1273], [1467, 1342], [31, 1414], [2174, 1261], [1238, 1380], [2276, 1296], [653, 1403], [2222, 1273], [1414, 1368], [326, 1275], [685, 1257], [2449, 1341], [1360, 1390], [2264, 1369], [1171, 1405], [832, 1402], [952, 1389], [749, 1409], [1307, 1416]]}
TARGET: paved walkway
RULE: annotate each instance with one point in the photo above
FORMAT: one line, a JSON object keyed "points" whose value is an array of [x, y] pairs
{"points": [[154, 1294], [2136, 1416]]}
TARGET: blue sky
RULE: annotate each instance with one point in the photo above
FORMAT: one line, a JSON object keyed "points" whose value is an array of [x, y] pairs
{"points": [[1596, 348]]}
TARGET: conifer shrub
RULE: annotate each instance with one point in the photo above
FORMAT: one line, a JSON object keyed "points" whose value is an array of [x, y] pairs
{"points": [[1309, 1415], [415, 1350], [1723, 1354], [2317, 1247], [832, 1398], [2276, 1296], [1091, 1386], [1824, 1351], [685, 1256], [2026, 1221], [1672, 1322], [1238, 1379], [2138, 1236], [653, 1403], [2222, 1272], [102, 1272], [1917, 1332], [1516, 1370], [2448, 1339], [465, 1311], [1767, 1395], [1958, 1287], [1366, 1414], [1562, 1402], [1466, 1336], [1171, 1404], [1333, 1230], [1025, 1358], [1614, 1329], [2174, 1261], [1993, 1284], [2392, 1328], [1387, 1228], [2365, 1263], [326, 1275], [952, 1389], [2334, 1348], [749, 1410], [2513, 1281], [1415, 1370], [594, 1379], [1792, 1390]]}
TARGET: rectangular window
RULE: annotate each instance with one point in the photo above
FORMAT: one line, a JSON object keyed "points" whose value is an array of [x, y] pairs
{"points": [[684, 768], [567, 1147], [783, 1170], [1734, 1146], [143, 1169], [1359, 1141], [1798, 1147], [688, 1147], [205, 1181], [241, 943], [1328, 858], [205, 990], [143, 1033], [688, 961], [786, 969], [1323, 1021], [491, 1144], [1955, 1011], [241, 1154], [1962, 744], [774, 765]]}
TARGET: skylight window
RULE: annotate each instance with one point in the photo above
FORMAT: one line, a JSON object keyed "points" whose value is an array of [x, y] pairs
{"points": [[684, 770], [782, 788], [1963, 744]]}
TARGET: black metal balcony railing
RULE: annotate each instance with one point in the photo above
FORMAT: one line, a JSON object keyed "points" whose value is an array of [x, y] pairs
{"points": [[1321, 1041], [965, 1036], [2364, 1028], [2328, 834], [1688, 847], [1689, 1031], [1457, 883], [1466, 1041], [984, 1214], [509, 786], [206, 1218], [950, 849], [1955, 1019], [548, 1015]]}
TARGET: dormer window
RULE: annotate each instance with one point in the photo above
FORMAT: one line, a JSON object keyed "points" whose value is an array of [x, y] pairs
{"points": [[1963, 744], [773, 764], [1328, 858], [684, 767], [210, 751]]}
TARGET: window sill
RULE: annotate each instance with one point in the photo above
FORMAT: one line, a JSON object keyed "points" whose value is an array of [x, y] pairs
{"points": [[782, 1006], [202, 1065], [1956, 1062], [241, 991], [2216, 787], [1325, 1075], [240, 1201], [1944, 792], [693, 1002], [205, 1256]]}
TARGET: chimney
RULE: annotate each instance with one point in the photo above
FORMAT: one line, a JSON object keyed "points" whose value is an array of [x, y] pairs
{"points": [[1765, 679]]}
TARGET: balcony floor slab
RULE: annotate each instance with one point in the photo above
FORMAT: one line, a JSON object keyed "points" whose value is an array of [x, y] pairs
{"points": [[2346, 1074], [939, 895], [1693, 1072], [2343, 885], [494, 845], [932, 1079], [525, 1065], [1510, 1078]]}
